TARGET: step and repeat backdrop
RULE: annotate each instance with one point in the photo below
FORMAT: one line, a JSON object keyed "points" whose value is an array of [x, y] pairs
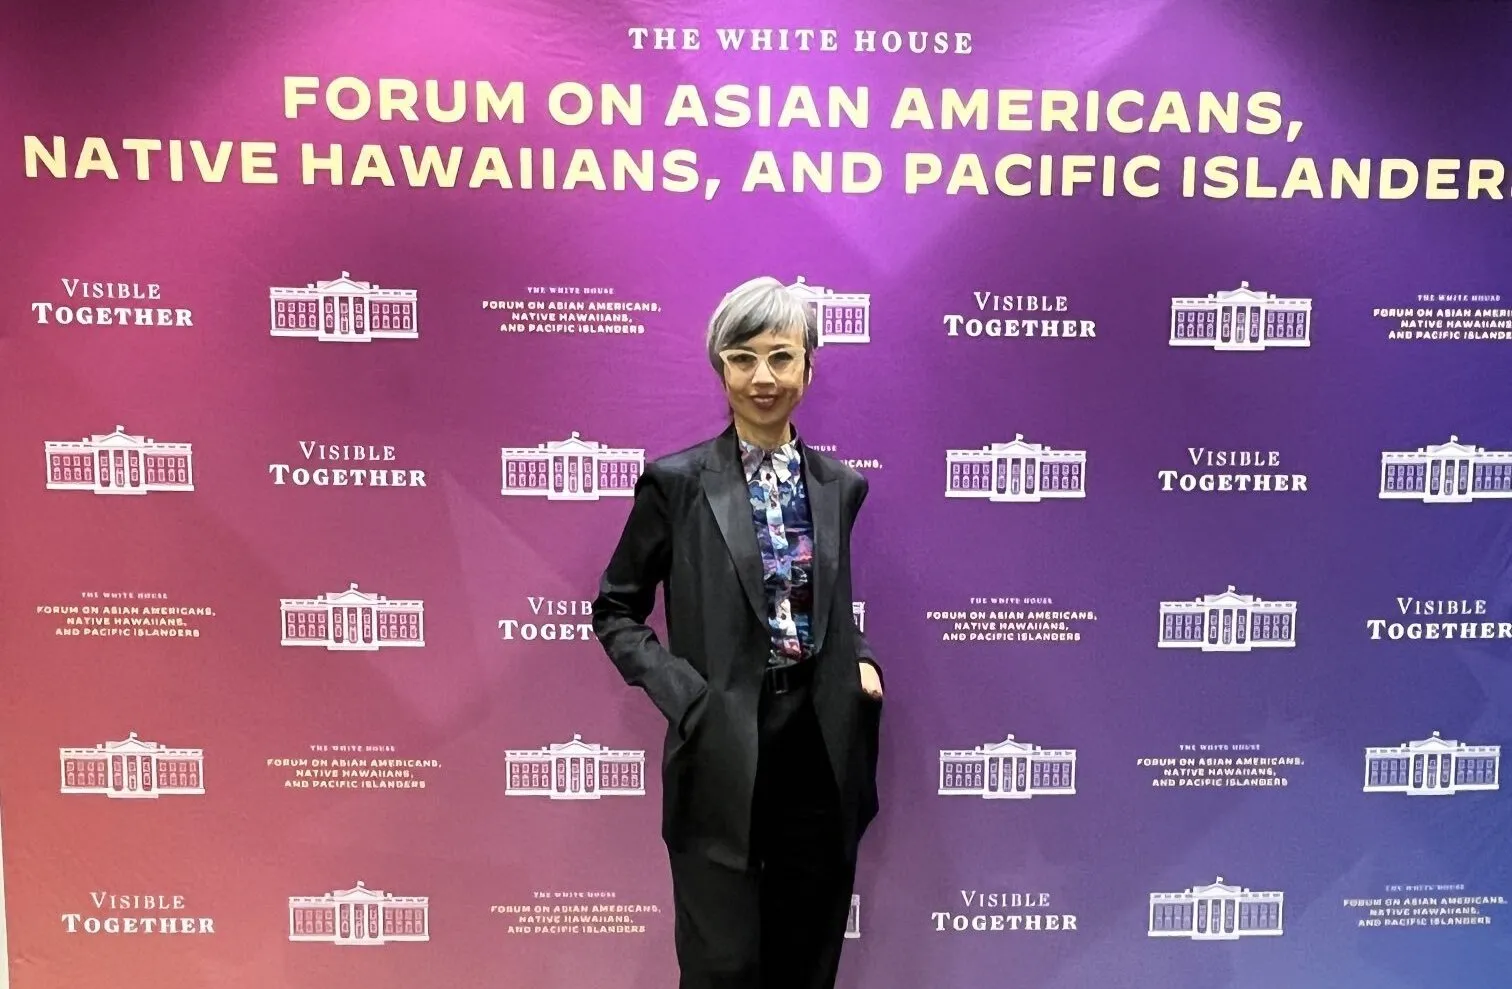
{"points": [[1173, 337]]}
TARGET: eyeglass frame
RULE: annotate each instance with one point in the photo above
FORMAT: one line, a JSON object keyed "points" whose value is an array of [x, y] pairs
{"points": [[763, 359]]}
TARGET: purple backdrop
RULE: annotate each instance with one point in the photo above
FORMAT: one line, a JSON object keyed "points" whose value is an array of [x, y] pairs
{"points": [[1217, 745]]}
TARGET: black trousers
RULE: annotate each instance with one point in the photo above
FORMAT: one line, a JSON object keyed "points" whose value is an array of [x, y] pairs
{"points": [[780, 923]]}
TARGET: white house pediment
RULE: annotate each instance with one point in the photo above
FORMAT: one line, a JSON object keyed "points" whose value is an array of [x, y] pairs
{"points": [[574, 444], [1453, 448], [1018, 445], [1009, 744], [345, 285], [132, 744], [1434, 744], [119, 439], [351, 596]]}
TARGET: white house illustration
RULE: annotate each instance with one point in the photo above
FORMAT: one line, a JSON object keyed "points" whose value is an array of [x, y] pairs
{"points": [[1446, 473], [1016, 471], [119, 463], [131, 769], [1009, 769], [344, 310], [352, 620], [359, 916], [1228, 622], [842, 317], [1241, 319], [1432, 767], [573, 469], [575, 770], [1217, 911]]}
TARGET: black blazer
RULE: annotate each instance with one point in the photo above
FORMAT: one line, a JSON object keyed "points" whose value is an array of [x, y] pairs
{"points": [[690, 529]]}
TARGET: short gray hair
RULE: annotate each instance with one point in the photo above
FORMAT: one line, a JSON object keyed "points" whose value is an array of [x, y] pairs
{"points": [[754, 307]]}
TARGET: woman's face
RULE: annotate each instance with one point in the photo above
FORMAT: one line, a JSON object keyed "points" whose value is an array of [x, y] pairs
{"points": [[765, 377]]}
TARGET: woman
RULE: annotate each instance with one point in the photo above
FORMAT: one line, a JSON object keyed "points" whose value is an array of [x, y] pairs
{"points": [[772, 695]]}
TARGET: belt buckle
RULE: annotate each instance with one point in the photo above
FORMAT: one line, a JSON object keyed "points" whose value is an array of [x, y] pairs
{"points": [[780, 681]]}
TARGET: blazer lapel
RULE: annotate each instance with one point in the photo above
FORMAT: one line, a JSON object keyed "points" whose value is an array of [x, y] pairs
{"points": [[824, 509], [725, 488]]}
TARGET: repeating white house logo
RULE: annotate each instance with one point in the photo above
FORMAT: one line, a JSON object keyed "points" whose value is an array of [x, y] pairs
{"points": [[132, 769], [359, 916], [1452, 472], [1007, 770], [344, 310], [1228, 622], [858, 613], [119, 463], [575, 770], [1432, 766], [573, 469], [1016, 471], [853, 918], [843, 317], [1241, 319], [352, 620], [1217, 911]]}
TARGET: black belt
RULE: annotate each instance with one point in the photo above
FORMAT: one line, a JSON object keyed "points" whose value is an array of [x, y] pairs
{"points": [[789, 677]]}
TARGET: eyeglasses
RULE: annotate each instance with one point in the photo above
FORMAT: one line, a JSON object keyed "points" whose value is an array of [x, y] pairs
{"points": [[782, 362]]}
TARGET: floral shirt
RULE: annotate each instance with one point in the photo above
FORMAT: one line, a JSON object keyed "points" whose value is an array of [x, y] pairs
{"points": [[785, 535]]}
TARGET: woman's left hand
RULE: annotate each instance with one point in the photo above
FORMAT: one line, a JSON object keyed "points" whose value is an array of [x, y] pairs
{"points": [[870, 682]]}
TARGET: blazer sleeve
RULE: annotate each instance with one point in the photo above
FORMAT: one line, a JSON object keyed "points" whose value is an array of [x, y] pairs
{"points": [[627, 595], [864, 652]]}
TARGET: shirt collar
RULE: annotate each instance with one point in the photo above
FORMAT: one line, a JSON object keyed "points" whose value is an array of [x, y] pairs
{"points": [[785, 459]]}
